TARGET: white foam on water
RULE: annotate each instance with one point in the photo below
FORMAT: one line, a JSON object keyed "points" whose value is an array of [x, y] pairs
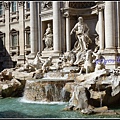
{"points": [[41, 102], [56, 77]]}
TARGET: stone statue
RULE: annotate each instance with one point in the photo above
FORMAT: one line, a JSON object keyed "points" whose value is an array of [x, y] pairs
{"points": [[81, 29], [38, 74], [6, 75], [34, 65], [47, 64], [88, 64], [37, 63], [48, 38], [80, 57], [68, 59], [71, 58], [97, 42], [99, 61]]}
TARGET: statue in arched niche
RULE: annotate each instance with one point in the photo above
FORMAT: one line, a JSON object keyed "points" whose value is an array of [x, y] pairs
{"points": [[48, 38]]}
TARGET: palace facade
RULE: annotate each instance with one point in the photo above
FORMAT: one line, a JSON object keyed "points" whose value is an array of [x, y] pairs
{"points": [[23, 25]]}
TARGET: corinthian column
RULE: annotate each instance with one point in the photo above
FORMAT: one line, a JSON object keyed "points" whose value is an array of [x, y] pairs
{"points": [[33, 27], [110, 52], [109, 25], [56, 26], [68, 41], [101, 28], [118, 23]]}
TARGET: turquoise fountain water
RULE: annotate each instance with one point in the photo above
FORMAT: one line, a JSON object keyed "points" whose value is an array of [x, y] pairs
{"points": [[19, 108]]}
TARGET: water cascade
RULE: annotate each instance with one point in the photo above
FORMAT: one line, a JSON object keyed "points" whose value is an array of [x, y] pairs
{"points": [[38, 90]]}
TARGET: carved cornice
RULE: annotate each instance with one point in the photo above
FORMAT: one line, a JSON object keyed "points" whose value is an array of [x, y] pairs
{"points": [[72, 11], [46, 15], [6, 5], [81, 5]]}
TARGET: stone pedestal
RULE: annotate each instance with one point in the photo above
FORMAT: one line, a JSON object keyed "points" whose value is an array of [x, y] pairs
{"points": [[31, 56], [47, 54], [110, 53], [21, 59], [111, 58], [50, 53]]}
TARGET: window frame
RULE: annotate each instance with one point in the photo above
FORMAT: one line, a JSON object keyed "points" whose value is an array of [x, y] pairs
{"points": [[27, 40], [14, 49], [13, 43], [13, 7], [2, 35], [28, 5], [1, 4]]}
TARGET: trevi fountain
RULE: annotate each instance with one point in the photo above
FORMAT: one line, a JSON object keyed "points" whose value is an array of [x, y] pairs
{"points": [[78, 78], [76, 85]]}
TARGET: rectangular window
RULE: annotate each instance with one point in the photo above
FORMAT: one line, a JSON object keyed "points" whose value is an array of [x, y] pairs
{"points": [[28, 39], [28, 5], [1, 8], [14, 41], [13, 6]]}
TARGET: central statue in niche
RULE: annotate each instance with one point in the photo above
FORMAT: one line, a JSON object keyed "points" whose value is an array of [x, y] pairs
{"points": [[81, 32], [81, 29], [48, 38]]}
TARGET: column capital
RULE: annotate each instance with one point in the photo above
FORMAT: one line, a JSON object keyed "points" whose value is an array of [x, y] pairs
{"points": [[100, 8], [6, 5], [21, 3], [66, 14]]}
